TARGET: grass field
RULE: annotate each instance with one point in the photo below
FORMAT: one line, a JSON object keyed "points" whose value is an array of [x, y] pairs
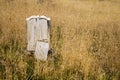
{"points": [[85, 36]]}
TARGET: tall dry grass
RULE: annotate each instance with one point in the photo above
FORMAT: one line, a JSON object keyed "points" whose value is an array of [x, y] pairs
{"points": [[85, 36]]}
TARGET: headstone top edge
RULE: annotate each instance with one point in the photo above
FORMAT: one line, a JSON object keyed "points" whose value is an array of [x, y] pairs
{"points": [[31, 17], [44, 17], [41, 17]]}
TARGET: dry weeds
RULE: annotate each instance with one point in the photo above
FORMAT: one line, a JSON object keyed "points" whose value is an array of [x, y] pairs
{"points": [[85, 36]]}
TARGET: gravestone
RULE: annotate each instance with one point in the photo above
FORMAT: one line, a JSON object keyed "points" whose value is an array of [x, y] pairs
{"points": [[38, 36]]}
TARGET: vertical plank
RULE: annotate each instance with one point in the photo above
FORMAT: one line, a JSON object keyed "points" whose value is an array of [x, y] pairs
{"points": [[37, 30], [30, 34], [44, 28]]}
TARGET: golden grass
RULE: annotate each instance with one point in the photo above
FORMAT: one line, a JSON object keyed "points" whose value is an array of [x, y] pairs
{"points": [[84, 36]]}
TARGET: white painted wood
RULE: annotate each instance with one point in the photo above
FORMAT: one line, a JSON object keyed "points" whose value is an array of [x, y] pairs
{"points": [[32, 17], [38, 36], [44, 28], [37, 30], [41, 50], [30, 34], [45, 31]]}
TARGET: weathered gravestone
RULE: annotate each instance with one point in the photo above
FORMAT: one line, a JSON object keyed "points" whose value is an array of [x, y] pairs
{"points": [[38, 36]]}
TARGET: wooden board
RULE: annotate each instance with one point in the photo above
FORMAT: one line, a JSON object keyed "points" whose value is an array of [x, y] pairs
{"points": [[38, 33], [41, 50], [30, 34], [41, 30]]}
